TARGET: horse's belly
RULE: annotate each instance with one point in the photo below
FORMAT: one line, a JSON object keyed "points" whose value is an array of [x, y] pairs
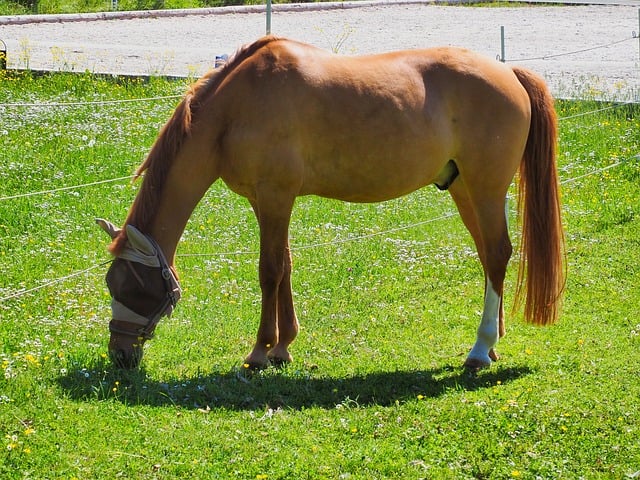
{"points": [[368, 181]]}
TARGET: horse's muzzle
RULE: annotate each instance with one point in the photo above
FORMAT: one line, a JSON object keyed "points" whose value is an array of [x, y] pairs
{"points": [[126, 360], [125, 349]]}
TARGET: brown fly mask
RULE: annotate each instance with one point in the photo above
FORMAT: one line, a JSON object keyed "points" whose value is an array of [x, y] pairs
{"points": [[143, 288]]}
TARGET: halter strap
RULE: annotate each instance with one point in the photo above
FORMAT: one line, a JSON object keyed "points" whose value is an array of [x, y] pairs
{"points": [[148, 324]]}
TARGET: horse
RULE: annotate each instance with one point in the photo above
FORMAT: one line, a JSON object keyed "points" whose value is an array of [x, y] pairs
{"points": [[282, 119]]}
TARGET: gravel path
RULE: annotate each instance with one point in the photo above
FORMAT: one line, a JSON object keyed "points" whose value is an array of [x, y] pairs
{"points": [[540, 38]]}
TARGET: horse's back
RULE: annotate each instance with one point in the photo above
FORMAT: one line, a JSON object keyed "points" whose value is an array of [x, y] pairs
{"points": [[365, 128]]}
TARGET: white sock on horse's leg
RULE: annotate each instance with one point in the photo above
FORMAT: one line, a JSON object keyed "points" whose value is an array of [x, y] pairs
{"points": [[488, 331]]}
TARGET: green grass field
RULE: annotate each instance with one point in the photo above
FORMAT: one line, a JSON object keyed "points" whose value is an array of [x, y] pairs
{"points": [[25, 7], [388, 296]]}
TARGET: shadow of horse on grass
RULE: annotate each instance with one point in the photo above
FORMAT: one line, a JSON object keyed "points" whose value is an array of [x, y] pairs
{"points": [[286, 388]]}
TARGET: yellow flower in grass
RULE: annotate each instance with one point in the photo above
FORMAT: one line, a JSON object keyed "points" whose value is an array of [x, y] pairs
{"points": [[31, 360]]}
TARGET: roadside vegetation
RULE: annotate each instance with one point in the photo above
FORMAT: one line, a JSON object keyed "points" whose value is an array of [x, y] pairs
{"points": [[25, 7], [388, 296]]}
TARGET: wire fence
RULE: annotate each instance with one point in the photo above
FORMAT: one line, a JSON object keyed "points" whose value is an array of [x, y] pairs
{"points": [[95, 103], [37, 105], [131, 177], [633, 36], [62, 279], [23, 292], [63, 189]]}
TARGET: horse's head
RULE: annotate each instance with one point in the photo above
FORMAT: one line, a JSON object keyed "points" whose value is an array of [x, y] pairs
{"points": [[143, 288]]}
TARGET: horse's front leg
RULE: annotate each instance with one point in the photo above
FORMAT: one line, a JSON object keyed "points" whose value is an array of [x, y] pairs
{"points": [[273, 213], [287, 320]]}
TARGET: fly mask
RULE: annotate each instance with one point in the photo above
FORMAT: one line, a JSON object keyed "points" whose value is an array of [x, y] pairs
{"points": [[143, 288]]}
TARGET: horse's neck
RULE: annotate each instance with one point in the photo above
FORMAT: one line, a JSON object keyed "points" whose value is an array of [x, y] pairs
{"points": [[190, 176]]}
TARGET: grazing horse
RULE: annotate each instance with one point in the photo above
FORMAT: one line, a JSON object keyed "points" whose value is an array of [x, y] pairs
{"points": [[283, 119]]}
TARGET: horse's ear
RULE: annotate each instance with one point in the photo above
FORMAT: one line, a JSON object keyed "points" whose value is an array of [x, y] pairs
{"points": [[108, 227], [140, 242]]}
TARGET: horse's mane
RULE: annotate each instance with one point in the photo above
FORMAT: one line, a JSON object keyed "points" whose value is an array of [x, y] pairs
{"points": [[170, 140]]}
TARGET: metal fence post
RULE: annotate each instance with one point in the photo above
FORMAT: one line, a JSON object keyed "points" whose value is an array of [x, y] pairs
{"points": [[502, 56], [268, 17]]}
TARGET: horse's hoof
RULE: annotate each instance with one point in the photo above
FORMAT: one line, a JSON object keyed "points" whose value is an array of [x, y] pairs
{"points": [[279, 357], [476, 364], [125, 360], [254, 367], [257, 360], [278, 362]]}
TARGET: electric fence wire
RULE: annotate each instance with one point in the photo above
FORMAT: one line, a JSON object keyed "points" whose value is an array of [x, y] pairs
{"points": [[634, 36], [55, 281], [62, 189], [130, 177], [23, 292], [87, 103], [574, 52]]}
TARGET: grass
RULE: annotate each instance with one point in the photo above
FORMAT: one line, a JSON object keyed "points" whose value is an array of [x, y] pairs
{"points": [[25, 7], [376, 389]]}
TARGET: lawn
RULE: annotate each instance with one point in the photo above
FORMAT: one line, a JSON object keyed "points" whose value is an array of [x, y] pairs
{"points": [[24, 7], [388, 295]]}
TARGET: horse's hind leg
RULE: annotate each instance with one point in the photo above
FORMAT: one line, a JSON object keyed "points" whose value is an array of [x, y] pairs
{"points": [[486, 221]]}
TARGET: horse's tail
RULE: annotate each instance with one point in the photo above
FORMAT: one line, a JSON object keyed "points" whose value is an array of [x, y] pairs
{"points": [[542, 267]]}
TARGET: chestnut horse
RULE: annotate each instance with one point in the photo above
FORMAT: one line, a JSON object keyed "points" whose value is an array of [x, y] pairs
{"points": [[283, 119]]}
